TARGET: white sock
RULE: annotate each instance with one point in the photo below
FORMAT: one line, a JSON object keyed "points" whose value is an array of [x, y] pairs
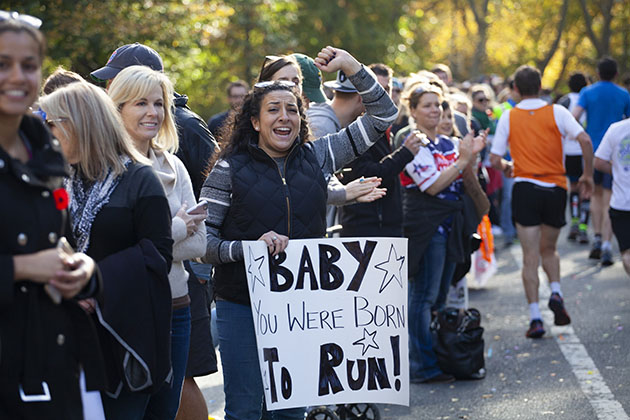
{"points": [[534, 311], [606, 246], [555, 287]]}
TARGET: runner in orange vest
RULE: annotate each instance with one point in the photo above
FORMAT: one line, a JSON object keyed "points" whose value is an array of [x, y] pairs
{"points": [[534, 131]]}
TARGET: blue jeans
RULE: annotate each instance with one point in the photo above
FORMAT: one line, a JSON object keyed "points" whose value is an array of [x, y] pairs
{"points": [[242, 382], [509, 231], [434, 273], [164, 403]]}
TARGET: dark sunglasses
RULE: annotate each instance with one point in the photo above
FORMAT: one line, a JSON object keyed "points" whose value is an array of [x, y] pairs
{"points": [[26, 19], [262, 85], [482, 100]]}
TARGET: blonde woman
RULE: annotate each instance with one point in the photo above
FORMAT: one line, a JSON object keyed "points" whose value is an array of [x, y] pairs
{"points": [[144, 98], [117, 208]]}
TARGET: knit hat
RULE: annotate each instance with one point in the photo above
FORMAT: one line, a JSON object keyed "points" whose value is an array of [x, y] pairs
{"points": [[129, 55], [311, 78]]}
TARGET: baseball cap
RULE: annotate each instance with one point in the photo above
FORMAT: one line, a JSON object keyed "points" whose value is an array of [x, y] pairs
{"points": [[129, 55], [311, 78], [342, 83]]}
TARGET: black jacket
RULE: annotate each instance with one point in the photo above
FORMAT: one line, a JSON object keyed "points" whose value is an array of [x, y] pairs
{"points": [[39, 340], [196, 143], [424, 213], [382, 217], [263, 200], [135, 313]]}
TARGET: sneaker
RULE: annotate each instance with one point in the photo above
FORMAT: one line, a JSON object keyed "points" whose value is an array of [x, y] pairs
{"points": [[596, 250], [573, 233], [560, 315], [536, 329], [582, 237], [607, 259], [442, 378]]}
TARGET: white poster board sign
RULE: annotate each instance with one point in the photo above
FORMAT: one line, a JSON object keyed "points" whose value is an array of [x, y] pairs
{"points": [[331, 321]]}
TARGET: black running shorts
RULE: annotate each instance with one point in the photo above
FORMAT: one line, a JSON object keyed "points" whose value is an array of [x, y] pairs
{"points": [[533, 205], [573, 167], [620, 221]]}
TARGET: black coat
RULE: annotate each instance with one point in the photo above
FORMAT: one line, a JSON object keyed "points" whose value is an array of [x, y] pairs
{"points": [[196, 143], [39, 340], [382, 217]]}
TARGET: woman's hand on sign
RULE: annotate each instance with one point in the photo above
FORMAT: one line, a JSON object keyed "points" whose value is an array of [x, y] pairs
{"points": [[276, 243]]}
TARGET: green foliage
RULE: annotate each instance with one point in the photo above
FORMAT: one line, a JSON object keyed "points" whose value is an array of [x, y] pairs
{"points": [[205, 44]]}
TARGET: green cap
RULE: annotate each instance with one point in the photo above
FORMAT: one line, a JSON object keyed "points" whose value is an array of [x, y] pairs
{"points": [[311, 78]]}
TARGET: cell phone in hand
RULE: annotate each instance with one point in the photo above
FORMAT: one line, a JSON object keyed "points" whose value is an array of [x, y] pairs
{"points": [[66, 251], [199, 208]]}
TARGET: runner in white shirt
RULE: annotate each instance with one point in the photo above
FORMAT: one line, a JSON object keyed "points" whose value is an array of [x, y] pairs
{"points": [[613, 157], [579, 208]]}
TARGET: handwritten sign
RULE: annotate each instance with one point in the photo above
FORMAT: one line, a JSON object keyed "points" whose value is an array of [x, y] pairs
{"points": [[331, 320]]}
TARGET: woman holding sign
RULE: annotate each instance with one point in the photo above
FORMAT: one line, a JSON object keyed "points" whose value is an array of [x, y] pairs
{"points": [[435, 182], [268, 183]]}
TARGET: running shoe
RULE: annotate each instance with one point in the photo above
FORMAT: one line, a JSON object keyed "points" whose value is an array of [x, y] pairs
{"points": [[560, 315], [582, 236], [573, 232], [596, 250], [607, 259], [536, 329]]}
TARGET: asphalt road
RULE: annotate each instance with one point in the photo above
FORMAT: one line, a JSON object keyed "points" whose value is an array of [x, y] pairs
{"points": [[578, 372]]}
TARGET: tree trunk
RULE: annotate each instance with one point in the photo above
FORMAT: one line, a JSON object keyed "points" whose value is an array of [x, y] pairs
{"points": [[542, 64], [601, 44], [480, 56]]}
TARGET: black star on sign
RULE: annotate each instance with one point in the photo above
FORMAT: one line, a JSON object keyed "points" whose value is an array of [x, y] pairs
{"points": [[256, 274], [367, 341], [392, 268]]}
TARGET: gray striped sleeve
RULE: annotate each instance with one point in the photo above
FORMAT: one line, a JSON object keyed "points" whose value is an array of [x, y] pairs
{"points": [[217, 190], [334, 151]]}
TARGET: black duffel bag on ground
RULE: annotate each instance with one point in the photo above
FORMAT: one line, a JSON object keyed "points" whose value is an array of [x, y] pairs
{"points": [[458, 342]]}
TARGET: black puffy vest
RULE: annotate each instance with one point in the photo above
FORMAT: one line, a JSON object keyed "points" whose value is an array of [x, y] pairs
{"points": [[262, 201]]}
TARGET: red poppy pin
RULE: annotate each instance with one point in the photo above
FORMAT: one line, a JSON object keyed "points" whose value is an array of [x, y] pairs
{"points": [[61, 198]]}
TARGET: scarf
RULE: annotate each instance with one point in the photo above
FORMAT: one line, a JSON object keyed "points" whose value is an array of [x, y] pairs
{"points": [[87, 198]]}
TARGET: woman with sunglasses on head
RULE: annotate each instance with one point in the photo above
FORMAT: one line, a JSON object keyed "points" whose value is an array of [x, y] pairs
{"points": [[120, 217], [433, 183], [143, 97], [363, 190], [46, 339], [266, 158]]}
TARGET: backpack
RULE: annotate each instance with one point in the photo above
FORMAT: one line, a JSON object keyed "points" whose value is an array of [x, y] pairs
{"points": [[458, 342]]}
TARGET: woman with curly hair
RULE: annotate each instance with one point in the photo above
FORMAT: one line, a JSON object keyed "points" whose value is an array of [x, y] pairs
{"points": [[268, 183]]}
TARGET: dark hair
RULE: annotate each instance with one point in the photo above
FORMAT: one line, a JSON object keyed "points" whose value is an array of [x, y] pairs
{"points": [[238, 83], [446, 105], [238, 131], [381, 69], [607, 68], [577, 81], [15, 25], [274, 63], [60, 78], [527, 80]]}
